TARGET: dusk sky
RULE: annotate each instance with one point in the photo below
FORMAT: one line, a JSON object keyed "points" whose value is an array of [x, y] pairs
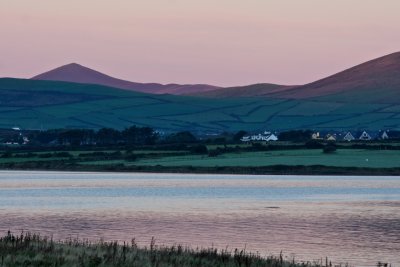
{"points": [[220, 42]]}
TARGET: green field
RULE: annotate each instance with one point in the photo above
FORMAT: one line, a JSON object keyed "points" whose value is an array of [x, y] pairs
{"points": [[240, 160], [70, 105], [342, 158]]}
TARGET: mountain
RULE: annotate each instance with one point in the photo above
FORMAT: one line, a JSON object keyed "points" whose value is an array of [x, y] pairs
{"points": [[365, 97], [377, 80], [381, 75], [79, 74]]}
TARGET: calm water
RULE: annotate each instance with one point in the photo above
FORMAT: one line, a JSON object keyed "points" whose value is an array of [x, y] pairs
{"points": [[348, 219]]}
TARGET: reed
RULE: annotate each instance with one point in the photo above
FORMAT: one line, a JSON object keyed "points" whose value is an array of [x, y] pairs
{"points": [[29, 249]]}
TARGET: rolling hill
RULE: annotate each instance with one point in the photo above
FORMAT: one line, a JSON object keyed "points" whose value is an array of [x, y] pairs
{"points": [[380, 77], [377, 80], [366, 96], [79, 74], [36, 104]]}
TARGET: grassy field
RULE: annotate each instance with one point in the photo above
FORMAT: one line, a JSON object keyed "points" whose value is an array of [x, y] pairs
{"points": [[200, 164], [306, 157], [69, 105], [343, 157], [33, 250]]}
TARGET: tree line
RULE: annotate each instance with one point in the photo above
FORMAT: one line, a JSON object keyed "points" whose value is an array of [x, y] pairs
{"points": [[106, 136]]}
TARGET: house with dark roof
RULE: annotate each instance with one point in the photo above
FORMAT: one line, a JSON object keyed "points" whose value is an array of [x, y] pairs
{"points": [[349, 137]]}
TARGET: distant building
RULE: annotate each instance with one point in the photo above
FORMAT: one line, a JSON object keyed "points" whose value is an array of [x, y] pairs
{"points": [[330, 137], [25, 140], [272, 137], [245, 139], [259, 137], [267, 137], [316, 136], [365, 136], [349, 137], [384, 136]]}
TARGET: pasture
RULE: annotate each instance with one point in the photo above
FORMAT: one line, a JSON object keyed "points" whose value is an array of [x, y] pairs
{"points": [[306, 157]]}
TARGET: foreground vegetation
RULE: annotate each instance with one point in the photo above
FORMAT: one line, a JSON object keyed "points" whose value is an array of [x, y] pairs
{"points": [[34, 250]]}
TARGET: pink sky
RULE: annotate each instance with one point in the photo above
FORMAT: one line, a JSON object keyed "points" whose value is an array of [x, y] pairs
{"points": [[221, 42]]}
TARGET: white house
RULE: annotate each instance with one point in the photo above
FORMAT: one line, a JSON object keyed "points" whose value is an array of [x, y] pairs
{"points": [[316, 136], [384, 135], [365, 136], [267, 136], [245, 139], [330, 137], [272, 137], [25, 139]]}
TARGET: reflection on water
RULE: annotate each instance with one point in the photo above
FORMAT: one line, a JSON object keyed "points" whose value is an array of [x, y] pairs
{"points": [[348, 219]]}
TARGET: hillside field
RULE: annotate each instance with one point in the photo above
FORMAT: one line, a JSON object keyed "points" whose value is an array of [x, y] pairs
{"points": [[32, 104]]}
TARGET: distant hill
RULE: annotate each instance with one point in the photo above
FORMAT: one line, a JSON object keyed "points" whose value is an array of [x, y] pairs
{"points": [[379, 77], [261, 89], [366, 96], [377, 80], [80, 74]]}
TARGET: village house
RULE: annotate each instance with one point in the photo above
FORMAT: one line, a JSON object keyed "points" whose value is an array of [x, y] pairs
{"points": [[272, 137], [316, 136], [330, 137], [349, 137], [384, 136], [245, 139], [365, 136], [266, 136]]}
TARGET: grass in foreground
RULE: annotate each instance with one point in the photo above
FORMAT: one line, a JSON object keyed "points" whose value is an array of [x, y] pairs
{"points": [[34, 250]]}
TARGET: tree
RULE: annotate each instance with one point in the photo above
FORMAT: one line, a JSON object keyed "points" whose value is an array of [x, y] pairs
{"points": [[45, 137], [199, 149], [139, 135], [108, 136], [314, 144], [239, 135], [296, 136], [76, 137], [329, 148], [181, 138]]}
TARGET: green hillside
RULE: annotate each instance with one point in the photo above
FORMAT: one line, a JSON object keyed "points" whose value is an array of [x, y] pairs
{"points": [[32, 104]]}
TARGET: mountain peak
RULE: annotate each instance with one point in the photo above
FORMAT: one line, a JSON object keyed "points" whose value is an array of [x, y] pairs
{"points": [[73, 65], [69, 66], [376, 75], [74, 72]]}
